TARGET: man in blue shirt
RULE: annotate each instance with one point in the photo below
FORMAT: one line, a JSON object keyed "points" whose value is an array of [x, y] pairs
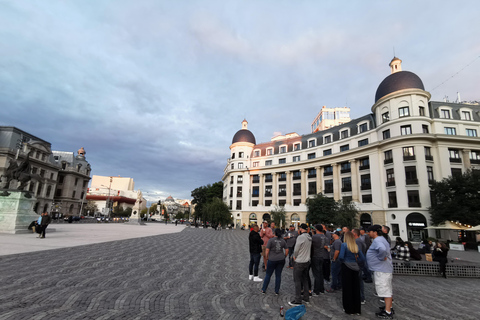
{"points": [[379, 261]]}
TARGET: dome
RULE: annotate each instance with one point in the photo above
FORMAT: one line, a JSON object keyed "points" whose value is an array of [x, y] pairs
{"points": [[244, 135], [398, 81]]}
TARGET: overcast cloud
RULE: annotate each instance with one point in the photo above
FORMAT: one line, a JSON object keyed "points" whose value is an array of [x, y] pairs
{"points": [[155, 90]]}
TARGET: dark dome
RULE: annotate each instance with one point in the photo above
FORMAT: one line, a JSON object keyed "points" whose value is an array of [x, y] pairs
{"points": [[398, 81], [244, 135]]}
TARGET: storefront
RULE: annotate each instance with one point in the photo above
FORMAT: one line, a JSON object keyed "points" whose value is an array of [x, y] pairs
{"points": [[365, 220], [416, 222], [252, 219]]}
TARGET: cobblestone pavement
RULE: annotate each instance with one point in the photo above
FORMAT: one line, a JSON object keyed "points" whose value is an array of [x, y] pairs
{"points": [[194, 274]]}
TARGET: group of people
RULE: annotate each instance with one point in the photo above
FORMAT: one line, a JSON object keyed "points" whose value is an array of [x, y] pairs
{"points": [[341, 259], [40, 225]]}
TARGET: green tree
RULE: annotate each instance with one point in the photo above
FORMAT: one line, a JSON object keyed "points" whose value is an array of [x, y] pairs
{"points": [[321, 209], [91, 208], [347, 214], [216, 211], [278, 214], [204, 194], [456, 198]]}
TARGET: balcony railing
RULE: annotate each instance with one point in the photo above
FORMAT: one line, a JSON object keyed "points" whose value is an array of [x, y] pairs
{"points": [[364, 167], [475, 161], [256, 181], [365, 187], [411, 181], [268, 194], [313, 175], [408, 158], [390, 183], [328, 173], [347, 189], [345, 170], [268, 179], [255, 195], [297, 192], [387, 161], [392, 205], [312, 192], [429, 158], [282, 179], [456, 160], [297, 177], [282, 193], [328, 190], [414, 204]]}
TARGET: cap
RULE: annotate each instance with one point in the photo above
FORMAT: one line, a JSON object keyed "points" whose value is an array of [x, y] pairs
{"points": [[319, 227], [375, 227], [304, 226], [338, 229], [337, 233]]}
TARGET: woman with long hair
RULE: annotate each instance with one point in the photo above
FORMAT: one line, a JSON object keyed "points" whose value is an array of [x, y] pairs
{"points": [[353, 259], [440, 254], [275, 253]]}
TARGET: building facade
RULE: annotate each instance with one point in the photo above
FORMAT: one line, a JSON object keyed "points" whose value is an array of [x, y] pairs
{"points": [[330, 117], [384, 161]]}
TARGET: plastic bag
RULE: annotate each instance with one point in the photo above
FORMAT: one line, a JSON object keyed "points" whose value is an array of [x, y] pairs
{"points": [[295, 313]]}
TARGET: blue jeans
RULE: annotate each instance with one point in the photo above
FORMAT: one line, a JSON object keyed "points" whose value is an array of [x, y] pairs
{"points": [[276, 266], [360, 278], [317, 270], [254, 261], [336, 275]]}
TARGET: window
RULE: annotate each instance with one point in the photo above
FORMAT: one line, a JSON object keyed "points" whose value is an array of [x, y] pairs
{"points": [[344, 134], [385, 117], [297, 175], [283, 149], [255, 178], [312, 187], [386, 134], [428, 154], [239, 179], [268, 177], [454, 155], [240, 154], [311, 143], [390, 178], [240, 165], [282, 190], [362, 128], [346, 184], [256, 164], [255, 191], [297, 189], [232, 166], [411, 175], [231, 192], [296, 146], [328, 171], [49, 190], [328, 186], [345, 167], [365, 182], [430, 175], [311, 156], [254, 203], [296, 202], [344, 147], [231, 179], [58, 193], [450, 131], [392, 199], [363, 142], [312, 173], [327, 152], [76, 179], [396, 230], [73, 193], [404, 130], [268, 191], [403, 112], [456, 172], [268, 203], [283, 160], [445, 114], [471, 132], [408, 153], [282, 176], [60, 179], [424, 128], [328, 139], [296, 158], [366, 198], [421, 111], [466, 115], [239, 192], [239, 204], [268, 162], [257, 153], [282, 203], [475, 156], [364, 163], [413, 199], [388, 157], [269, 151]]}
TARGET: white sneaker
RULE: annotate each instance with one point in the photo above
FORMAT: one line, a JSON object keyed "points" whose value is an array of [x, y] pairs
{"points": [[257, 279], [250, 277]]}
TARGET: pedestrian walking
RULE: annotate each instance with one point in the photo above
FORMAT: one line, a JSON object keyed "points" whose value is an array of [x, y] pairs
{"points": [[46, 219]]}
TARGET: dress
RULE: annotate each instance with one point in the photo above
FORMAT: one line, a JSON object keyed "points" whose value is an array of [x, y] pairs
{"points": [[350, 280]]}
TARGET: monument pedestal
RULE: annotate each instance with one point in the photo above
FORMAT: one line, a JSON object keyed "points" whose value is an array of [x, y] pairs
{"points": [[135, 219], [16, 211]]}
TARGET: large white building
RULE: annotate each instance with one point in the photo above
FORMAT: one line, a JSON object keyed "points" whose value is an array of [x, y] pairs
{"points": [[384, 161]]}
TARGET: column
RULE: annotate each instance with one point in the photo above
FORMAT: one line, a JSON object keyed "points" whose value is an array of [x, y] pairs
{"points": [[337, 183], [319, 179], [355, 179], [466, 158], [274, 189], [261, 191], [304, 186], [289, 188]]}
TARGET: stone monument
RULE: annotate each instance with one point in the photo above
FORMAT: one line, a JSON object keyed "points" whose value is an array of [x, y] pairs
{"points": [[135, 217]]}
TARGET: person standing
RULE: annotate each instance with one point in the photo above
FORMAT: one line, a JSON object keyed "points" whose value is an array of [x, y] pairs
{"points": [[318, 251], [386, 230], [266, 233], [301, 256], [335, 263], [46, 219], [255, 244], [326, 255], [290, 238], [276, 253], [379, 261], [363, 248]]}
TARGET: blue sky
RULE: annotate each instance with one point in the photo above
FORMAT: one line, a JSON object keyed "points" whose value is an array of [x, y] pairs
{"points": [[155, 90]]}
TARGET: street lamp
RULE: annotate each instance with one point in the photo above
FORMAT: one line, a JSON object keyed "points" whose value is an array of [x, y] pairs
{"points": [[107, 201]]}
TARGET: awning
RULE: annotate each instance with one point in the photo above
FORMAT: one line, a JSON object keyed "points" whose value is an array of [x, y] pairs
{"points": [[447, 225], [476, 228]]}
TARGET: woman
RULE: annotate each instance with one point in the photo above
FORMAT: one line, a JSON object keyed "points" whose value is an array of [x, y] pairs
{"points": [[414, 254], [275, 253], [352, 259], [425, 247], [401, 250], [255, 244], [440, 254]]}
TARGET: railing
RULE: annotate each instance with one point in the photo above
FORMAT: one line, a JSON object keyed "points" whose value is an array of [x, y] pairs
{"points": [[387, 161]]}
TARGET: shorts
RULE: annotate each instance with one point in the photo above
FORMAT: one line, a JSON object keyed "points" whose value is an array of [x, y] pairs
{"points": [[264, 249], [383, 283]]}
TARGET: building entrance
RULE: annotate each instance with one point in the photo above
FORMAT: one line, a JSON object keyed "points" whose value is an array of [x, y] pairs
{"points": [[252, 219], [365, 220], [416, 222]]}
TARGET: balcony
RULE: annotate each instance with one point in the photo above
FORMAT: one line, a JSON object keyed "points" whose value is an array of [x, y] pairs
{"points": [[390, 183], [365, 187], [387, 161], [345, 170], [414, 205], [364, 167], [282, 193], [239, 181], [297, 177], [297, 192], [313, 175], [328, 173], [239, 194], [268, 179], [429, 158], [268, 194], [408, 158], [456, 160], [411, 181], [328, 190], [475, 161], [282, 179], [347, 189], [256, 181], [310, 192]]}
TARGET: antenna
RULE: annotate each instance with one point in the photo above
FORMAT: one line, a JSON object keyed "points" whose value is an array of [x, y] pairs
{"points": [[394, 51]]}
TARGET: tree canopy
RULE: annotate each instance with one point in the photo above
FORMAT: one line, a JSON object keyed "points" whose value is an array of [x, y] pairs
{"points": [[216, 211], [204, 194], [456, 198], [322, 209], [278, 214]]}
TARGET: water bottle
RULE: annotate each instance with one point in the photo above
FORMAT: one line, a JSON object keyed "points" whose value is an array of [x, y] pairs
{"points": [[282, 313]]}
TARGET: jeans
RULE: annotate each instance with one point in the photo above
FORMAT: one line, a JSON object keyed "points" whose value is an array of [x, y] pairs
{"points": [[276, 266], [317, 269], [254, 261], [300, 277], [367, 275], [360, 278], [290, 259], [336, 275]]}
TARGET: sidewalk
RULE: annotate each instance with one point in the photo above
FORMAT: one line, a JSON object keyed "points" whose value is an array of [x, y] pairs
{"points": [[72, 235]]}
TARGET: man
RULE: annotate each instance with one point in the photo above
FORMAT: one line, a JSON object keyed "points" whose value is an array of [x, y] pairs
{"points": [[290, 238], [380, 263], [326, 254], [336, 264], [386, 230], [318, 250], [46, 219], [266, 234], [361, 247], [344, 230], [365, 237], [255, 244], [301, 256]]}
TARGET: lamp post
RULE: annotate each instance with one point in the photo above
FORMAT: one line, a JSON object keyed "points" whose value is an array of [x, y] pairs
{"points": [[107, 201]]}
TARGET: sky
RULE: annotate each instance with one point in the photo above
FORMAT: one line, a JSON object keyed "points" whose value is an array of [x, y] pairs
{"points": [[156, 90]]}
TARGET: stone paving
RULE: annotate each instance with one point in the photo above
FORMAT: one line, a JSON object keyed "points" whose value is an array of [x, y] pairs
{"points": [[193, 274]]}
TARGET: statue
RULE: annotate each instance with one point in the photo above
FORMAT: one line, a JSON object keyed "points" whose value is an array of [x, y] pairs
{"points": [[21, 173]]}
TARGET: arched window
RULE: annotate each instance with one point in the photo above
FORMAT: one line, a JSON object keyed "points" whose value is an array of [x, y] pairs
{"points": [[295, 219], [252, 219]]}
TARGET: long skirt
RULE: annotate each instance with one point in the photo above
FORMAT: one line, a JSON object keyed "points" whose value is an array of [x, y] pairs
{"points": [[351, 291]]}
